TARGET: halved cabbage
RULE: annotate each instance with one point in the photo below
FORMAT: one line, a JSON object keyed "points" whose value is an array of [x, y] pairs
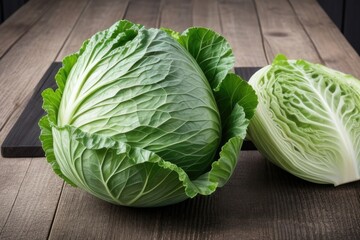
{"points": [[308, 120]]}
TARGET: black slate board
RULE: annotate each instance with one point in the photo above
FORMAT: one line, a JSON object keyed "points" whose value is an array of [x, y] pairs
{"points": [[23, 138]]}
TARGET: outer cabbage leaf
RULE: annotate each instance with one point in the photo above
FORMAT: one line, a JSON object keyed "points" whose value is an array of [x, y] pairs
{"points": [[210, 50], [308, 120], [135, 122]]}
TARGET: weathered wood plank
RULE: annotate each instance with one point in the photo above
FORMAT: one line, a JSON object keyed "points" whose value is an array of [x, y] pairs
{"points": [[176, 15], [240, 26], [101, 220], [306, 210], [38, 48], [232, 212], [11, 178], [145, 12], [33, 211], [283, 33], [106, 12], [206, 14], [260, 201], [20, 22], [18, 76], [199, 218], [332, 46]]}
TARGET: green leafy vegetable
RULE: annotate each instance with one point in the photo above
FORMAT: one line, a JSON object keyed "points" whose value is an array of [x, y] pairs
{"points": [[147, 117], [308, 120]]}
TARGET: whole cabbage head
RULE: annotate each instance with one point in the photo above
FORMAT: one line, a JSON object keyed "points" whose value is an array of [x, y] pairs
{"points": [[147, 117]]}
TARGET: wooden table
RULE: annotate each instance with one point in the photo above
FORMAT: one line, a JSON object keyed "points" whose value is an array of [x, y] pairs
{"points": [[260, 201]]}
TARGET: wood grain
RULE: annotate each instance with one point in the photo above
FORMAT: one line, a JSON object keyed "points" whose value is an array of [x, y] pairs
{"points": [[20, 22], [18, 77], [223, 215], [312, 211], [205, 13], [145, 12], [283, 33], [332, 46], [241, 28], [11, 178], [101, 220], [176, 15], [106, 12], [32, 213], [38, 48], [260, 201]]}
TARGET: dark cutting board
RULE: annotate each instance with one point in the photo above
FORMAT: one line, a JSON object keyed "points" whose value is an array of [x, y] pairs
{"points": [[23, 138]]}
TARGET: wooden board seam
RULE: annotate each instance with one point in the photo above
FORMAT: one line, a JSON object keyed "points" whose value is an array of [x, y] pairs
{"points": [[16, 196], [307, 33]]}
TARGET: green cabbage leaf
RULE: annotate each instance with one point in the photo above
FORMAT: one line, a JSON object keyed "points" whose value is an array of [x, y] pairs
{"points": [[147, 117]]}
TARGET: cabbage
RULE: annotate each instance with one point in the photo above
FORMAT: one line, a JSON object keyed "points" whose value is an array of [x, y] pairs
{"points": [[147, 117], [308, 120]]}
